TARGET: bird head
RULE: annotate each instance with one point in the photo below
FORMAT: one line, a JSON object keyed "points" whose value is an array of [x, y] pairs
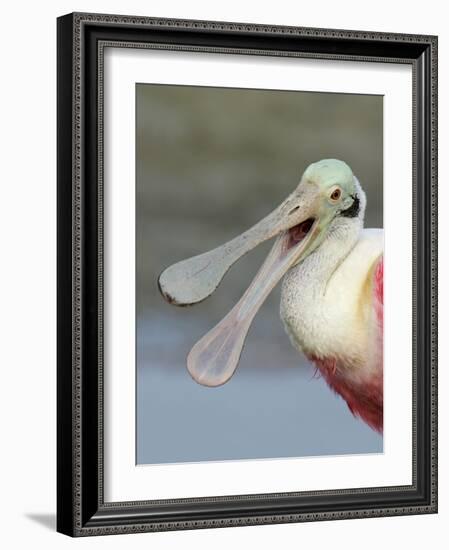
{"points": [[332, 197]]}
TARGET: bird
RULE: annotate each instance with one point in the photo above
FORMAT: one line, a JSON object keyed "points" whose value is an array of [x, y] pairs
{"points": [[331, 303]]}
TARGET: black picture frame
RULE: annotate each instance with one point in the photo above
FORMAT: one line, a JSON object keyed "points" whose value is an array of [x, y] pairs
{"points": [[81, 509]]}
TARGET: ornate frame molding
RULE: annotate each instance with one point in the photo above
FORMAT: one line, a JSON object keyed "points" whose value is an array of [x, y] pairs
{"points": [[81, 41]]}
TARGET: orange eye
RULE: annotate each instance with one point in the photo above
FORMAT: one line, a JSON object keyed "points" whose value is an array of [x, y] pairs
{"points": [[336, 194]]}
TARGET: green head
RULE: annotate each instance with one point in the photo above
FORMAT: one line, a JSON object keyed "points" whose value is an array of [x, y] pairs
{"points": [[338, 189]]}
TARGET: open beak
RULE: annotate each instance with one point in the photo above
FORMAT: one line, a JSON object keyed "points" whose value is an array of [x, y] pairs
{"points": [[296, 223]]}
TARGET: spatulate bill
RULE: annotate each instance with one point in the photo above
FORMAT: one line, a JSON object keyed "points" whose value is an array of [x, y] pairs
{"points": [[192, 280], [214, 358]]}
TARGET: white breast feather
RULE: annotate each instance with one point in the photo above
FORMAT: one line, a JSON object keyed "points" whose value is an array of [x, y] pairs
{"points": [[320, 304]]}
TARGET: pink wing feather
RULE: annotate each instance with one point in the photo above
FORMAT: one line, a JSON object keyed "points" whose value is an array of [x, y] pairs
{"points": [[366, 400], [378, 287]]}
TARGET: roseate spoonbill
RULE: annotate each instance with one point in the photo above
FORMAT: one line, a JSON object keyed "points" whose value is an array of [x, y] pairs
{"points": [[332, 292]]}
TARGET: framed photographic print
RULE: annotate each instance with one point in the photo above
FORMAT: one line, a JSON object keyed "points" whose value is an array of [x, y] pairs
{"points": [[246, 274]]}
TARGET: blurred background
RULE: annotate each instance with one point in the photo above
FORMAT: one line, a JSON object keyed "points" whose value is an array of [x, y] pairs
{"points": [[210, 163]]}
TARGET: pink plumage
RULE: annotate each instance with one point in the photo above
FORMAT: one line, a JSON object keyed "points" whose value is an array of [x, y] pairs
{"points": [[364, 397], [379, 292]]}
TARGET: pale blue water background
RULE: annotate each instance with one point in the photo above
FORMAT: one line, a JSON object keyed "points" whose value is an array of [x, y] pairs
{"points": [[259, 413]]}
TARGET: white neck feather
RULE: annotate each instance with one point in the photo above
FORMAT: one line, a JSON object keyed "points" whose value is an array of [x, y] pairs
{"points": [[307, 281]]}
